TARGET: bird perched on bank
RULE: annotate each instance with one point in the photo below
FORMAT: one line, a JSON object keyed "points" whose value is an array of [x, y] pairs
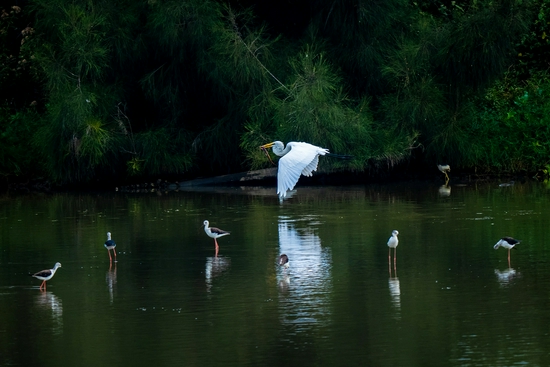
{"points": [[283, 261], [508, 243], [46, 275], [110, 245], [297, 158], [214, 233], [393, 241], [444, 168]]}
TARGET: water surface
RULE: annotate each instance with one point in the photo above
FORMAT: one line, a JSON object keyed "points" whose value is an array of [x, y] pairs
{"points": [[451, 300]]}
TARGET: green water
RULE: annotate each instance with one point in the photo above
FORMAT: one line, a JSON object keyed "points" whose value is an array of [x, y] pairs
{"points": [[451, 301]]}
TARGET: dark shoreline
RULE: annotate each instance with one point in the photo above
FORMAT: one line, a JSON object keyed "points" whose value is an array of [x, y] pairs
{"points": [[264, 177]]}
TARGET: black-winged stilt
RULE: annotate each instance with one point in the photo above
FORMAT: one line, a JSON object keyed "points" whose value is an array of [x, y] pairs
{"points": [[283, 261], [45, 275], [214, 233], [110, 245], [508, 243], [393, 241]]}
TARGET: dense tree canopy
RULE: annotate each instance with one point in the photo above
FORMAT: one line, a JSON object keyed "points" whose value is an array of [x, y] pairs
{"points": [[123, 89]]}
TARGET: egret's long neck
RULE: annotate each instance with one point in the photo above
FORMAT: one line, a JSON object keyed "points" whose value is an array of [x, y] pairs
{"points": [[281, 152]]}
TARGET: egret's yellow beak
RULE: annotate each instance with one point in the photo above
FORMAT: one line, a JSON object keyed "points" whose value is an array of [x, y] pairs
{"points": [[269, 145]]}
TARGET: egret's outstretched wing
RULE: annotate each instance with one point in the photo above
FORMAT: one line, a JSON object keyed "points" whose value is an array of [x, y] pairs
{"points": [[302, 159]]}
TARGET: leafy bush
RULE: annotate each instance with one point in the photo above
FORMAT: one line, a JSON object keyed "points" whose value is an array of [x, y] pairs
{"points": [[512, 131]]}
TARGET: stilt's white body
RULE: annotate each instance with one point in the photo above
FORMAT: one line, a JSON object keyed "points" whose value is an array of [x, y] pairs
{"points": [[506, 242], [444, 168], [392, 244], [393, 241]]}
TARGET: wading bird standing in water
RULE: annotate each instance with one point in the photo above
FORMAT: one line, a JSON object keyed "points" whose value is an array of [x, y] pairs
{"points": [[214, 233], [444, 168], [46, 275], [392, 244], [297, 158], [283, 261], [110, 245], [508, 243]]}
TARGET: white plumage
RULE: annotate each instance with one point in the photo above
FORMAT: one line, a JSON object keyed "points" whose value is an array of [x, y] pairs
{"points": [[298, 158], [393, 240]]}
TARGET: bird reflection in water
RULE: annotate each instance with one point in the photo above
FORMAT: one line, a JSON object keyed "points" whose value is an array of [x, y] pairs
{"points": [[215, 266], [284, 283], [49, 302], [305, 288], [445, 190], [395, 294], [505, 277], [110, 279]]}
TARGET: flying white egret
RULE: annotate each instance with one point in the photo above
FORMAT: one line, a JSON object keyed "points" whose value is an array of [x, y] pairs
{"points": [[110, 245], [214, 233], [297, 158], [45, 275], [508, 243], [392, 244]]}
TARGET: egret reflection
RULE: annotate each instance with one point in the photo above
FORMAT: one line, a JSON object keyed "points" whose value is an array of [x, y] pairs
{"points": [[50, 303], [305, 289], [215, 266]]}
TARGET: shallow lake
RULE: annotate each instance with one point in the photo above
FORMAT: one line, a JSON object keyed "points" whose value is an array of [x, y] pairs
{"points": [[450, 300]]}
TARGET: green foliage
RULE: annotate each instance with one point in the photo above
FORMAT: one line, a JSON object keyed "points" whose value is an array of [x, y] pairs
{"points": [[159, 152], [168, 87], [316, 110], [513, 130], [17, 155], [477, 46], [361, 34], [534, 49]]}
